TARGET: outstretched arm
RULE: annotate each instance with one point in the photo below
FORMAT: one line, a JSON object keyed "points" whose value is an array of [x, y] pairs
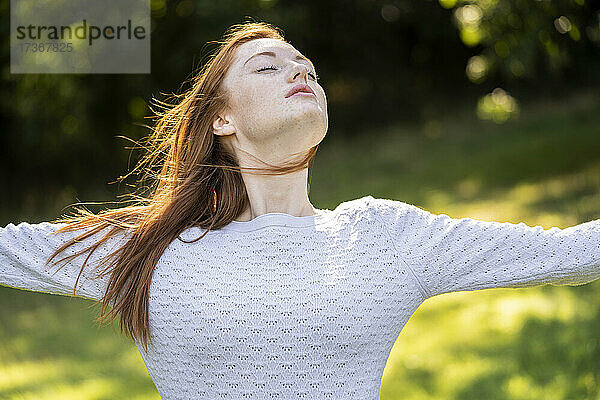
{"points": [[24, 249], [455, 254]]}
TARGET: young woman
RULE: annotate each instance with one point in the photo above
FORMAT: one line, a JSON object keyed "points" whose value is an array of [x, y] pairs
{"points": [[232, 284]]}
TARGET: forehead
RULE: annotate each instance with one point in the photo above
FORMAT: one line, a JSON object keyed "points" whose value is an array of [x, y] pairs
{"points": [[248, 49]]}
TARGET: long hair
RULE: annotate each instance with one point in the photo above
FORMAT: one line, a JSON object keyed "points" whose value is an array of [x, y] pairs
{"points": [[195, 180]]}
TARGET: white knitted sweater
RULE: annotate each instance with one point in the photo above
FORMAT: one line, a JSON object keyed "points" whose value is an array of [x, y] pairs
{"points": [[284, 307]]}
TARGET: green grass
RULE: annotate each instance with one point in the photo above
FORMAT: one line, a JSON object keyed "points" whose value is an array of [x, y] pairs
{"points": [[535, 343], [50, 348]]}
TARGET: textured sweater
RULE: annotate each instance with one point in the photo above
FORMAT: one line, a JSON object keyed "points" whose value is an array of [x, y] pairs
{"points": [[285, 307]]}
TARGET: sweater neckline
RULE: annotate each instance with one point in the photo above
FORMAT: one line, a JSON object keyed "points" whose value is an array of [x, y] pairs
{"points": [[279, 219], [272, 219]]}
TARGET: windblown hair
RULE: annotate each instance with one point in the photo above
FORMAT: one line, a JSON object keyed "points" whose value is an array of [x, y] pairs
{"points": [[195, 180]]}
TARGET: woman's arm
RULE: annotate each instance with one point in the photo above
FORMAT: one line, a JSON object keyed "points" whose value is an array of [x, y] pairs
{"points": [[24, 249], [454, 254]]}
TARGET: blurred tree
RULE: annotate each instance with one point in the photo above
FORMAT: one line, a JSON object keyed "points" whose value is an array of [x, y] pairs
{"points": [[525, 39], [520, 40]]}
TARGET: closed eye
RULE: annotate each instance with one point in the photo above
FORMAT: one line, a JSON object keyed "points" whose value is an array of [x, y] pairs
{"points": [[265, 68]]}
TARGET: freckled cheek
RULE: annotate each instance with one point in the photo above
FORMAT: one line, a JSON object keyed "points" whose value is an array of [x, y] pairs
{"points": [[249, 101], [262, 95]]}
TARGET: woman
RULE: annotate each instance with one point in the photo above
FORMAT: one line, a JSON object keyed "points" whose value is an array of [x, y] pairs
{"points": [[278, 299]]}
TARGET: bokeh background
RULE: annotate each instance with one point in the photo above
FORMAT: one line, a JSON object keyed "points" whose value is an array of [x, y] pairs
{"points": [[483, 108]]}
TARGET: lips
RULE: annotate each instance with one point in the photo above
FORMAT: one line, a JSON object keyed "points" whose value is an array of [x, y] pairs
{"points": [[299, 88]]}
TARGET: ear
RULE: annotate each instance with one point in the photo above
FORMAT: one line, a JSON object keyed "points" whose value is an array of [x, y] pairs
{"points": [[223, 126]]}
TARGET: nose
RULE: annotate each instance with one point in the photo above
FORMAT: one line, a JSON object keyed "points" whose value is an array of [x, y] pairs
{"points": [[299, 70]]}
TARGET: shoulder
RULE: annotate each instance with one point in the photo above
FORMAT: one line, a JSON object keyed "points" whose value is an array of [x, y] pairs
{"points": [[381, 210], [385, 208]]}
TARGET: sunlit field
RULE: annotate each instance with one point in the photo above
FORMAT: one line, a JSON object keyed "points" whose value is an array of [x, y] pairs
{"points": [[534, 343]]}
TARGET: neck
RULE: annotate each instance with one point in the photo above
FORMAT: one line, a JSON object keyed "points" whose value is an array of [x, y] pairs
{"points": [[277, 193]]}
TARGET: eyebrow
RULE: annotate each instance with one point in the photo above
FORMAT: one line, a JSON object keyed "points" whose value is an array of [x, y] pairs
{"points": [[272, 54]]}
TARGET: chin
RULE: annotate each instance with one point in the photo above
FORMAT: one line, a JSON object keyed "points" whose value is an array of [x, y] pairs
{"points": [[308, 116], [308, 124]]}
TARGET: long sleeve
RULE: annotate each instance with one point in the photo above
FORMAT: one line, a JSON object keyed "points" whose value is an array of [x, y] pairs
{"points": [[25, 247], [457, 254]]}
